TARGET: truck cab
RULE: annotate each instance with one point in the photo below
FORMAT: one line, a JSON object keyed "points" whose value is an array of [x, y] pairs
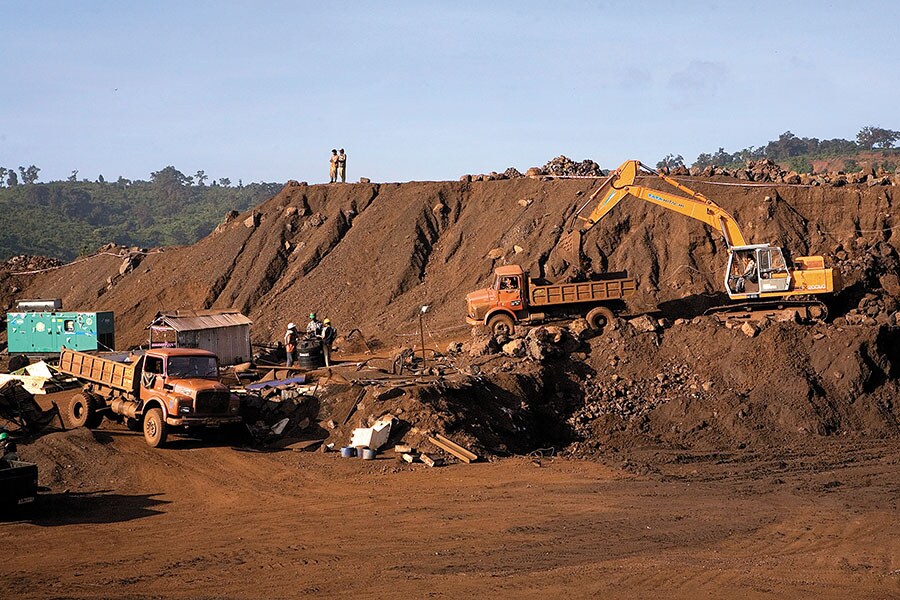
{"points": [[507, 295], [185, 384]]}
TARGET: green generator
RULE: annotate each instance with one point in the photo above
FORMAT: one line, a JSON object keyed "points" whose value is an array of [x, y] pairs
{"points": [[48, 332]]}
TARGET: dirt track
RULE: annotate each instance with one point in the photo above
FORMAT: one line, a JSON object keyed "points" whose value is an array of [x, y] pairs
{"points": [[201, 521]]}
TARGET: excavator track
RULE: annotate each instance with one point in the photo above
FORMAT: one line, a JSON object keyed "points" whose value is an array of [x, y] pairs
{"points": [[805, 310]]}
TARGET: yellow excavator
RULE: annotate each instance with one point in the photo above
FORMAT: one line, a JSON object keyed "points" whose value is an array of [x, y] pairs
{"points": [[757, 277]]}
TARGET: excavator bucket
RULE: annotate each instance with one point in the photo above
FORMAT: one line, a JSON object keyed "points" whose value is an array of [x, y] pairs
{"points": [[570, 248]]}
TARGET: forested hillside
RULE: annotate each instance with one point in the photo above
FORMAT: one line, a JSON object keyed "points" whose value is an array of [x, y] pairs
{"points": [[64, 219]]}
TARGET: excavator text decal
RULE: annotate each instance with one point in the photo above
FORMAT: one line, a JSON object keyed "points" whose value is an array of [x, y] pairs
{"points": [[667, 201]]}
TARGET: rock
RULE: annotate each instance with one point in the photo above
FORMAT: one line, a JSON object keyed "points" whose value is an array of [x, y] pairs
{"points": [[516, 348], [891, 284], [454, 348], [525, 202], [290, 211], [252, 221], [534, 172], [749, 329], [518, 249], [481, 346], [496, 253], [365, 180], [580, 329], [644, 323], [439, 209]]}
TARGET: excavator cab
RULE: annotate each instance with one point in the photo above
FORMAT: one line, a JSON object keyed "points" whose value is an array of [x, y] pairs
{"points": [[756, 269]]}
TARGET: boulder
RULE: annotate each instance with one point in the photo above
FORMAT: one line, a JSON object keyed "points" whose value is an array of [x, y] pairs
{"points": [[516, 348], [644, 323], [749, 329]]}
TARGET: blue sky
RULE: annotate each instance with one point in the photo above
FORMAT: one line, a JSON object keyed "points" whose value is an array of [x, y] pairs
{"points": [[417, 90]]}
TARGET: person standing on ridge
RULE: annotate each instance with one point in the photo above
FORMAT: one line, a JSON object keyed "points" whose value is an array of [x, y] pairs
{"points": [[342, 166], [334, 166]]}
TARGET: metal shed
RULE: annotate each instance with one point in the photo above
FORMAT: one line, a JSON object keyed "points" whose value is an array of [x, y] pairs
{"points": [[223, 331]]}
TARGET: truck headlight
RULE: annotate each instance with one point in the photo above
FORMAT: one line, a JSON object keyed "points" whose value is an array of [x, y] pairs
{"points": [[184, 408]]}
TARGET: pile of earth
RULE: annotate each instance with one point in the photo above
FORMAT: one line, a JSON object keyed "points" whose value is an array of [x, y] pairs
{"points": [[766, 170], [697, 385], [561, 166], [370, 255]]}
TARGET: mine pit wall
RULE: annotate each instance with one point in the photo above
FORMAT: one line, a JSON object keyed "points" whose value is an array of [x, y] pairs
{"points": [[369, 255]]}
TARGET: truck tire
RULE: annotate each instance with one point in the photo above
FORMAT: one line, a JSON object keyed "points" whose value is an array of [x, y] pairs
{"points": [[599, 318], [83, 411], [155, 431], [501, 325]]}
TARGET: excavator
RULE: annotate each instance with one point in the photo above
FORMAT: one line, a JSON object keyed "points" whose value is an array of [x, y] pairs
{"points": [[757, 278]]}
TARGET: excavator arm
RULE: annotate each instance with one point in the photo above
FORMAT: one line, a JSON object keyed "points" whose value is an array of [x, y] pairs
{"points": [[692, 204]]}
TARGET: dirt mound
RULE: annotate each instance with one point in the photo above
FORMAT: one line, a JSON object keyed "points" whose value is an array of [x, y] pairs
{"points": [[78, 459], [699, 386], [369, 255]]}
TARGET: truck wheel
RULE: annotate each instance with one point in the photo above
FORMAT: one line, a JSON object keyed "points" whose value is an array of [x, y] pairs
{"points": [[83, 411], [501, 325], [599, 318], [155, 428]]}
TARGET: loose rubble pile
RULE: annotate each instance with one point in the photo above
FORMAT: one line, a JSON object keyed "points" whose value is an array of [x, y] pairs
{"points": [[766, 170], [561, 166], [11, 284], [627, 403], [873, 267]]}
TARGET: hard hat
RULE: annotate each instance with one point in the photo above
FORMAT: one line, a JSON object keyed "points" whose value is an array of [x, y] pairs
{"points": [[312, 315], [292, 326], [3, 436], [327, 321]]}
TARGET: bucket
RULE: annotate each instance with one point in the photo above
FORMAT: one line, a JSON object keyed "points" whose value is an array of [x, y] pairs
{"points": [[348, 452], [367, 453]]}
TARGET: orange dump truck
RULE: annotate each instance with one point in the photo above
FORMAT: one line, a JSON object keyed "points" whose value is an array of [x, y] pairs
{"points": [[514, 298], [163, 389]]}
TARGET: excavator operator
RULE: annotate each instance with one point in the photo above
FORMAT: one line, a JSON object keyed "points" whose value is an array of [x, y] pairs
{"points": [[749, 274]]}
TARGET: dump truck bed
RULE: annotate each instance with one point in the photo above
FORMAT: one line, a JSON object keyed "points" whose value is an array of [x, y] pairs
{"points": [[586, 291], [87, 367]]}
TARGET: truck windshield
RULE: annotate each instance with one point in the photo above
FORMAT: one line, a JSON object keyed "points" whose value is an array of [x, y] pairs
{"points": [[192, 366]]}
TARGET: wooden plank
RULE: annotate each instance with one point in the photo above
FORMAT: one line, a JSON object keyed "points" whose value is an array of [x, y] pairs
{"points": [[453, 448]]}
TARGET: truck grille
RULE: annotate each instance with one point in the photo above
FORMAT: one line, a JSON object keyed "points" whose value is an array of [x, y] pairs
{"points": [[212, 403]]}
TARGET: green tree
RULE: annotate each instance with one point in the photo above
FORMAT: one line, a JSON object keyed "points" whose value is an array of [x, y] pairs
{"points": [[3, 172], [671, 161], [201, 178], [871, 137], [12, 180], [224, 182], [73, 177]]}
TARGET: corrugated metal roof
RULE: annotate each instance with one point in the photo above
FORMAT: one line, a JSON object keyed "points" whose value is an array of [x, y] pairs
{"points": [[194, 320]]}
